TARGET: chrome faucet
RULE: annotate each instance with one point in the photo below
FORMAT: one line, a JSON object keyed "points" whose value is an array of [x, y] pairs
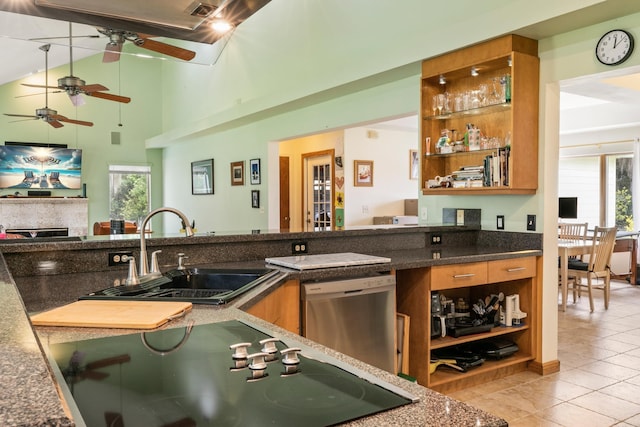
{"points": [[144, 267]]}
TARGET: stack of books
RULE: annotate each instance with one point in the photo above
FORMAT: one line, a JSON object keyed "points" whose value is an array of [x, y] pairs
{"points": [[496, 168], [468, 176]]}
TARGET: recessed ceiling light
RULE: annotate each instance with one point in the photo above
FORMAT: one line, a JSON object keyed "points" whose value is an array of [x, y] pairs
{"points": [[221, 26]]}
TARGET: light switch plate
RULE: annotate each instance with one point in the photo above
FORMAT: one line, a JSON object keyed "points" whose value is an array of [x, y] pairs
{"points": [[531, 223]]}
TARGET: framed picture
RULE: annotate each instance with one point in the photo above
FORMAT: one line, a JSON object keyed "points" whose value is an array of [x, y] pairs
{"points": [[363, 173], [414, 164], [202, 177], [255, 198], [254, 171], [237, 173]]}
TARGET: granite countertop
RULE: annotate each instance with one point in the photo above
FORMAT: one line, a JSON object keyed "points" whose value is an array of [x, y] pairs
{"points": [[29, 396]]}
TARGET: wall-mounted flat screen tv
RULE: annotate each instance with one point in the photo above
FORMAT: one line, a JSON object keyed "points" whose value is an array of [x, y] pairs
{"points": [[38, 167], [568, 207]]}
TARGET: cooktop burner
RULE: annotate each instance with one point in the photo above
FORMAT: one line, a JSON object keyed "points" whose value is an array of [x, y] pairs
{"points": [[188, 377]]}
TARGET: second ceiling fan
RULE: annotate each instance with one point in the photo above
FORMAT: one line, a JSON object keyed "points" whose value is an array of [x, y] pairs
{"points": [[75, 87]]}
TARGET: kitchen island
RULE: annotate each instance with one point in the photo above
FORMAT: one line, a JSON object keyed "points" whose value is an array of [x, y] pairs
{"points": [[26, 373]]}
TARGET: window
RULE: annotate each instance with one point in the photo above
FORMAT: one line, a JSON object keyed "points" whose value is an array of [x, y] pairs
{"points": [[582, 177], [130, 192]]}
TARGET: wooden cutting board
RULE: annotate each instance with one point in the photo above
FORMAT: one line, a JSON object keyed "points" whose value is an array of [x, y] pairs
{"points": [[112, 314]]}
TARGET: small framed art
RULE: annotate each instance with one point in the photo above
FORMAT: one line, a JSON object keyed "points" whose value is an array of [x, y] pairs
{"points": [[202, 177], [254, 171], [255, 198], [237, 173], [363, 173]]}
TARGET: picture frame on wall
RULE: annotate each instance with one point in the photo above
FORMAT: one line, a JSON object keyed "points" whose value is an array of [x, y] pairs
{"points": [[237, 173], [363, 173], [202, 177], [254, 171], [414, 164], [255, 199]]}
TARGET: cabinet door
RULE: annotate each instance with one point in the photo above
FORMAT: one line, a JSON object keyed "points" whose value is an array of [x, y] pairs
{"points": [[458, 275], [281, 307]]}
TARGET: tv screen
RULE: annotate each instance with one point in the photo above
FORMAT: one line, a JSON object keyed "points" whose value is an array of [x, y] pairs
{"points": [[568, 207], [40, 167]]}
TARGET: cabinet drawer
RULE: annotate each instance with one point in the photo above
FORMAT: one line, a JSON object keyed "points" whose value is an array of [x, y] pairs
{"points": [[511, 269], [458, 275]]}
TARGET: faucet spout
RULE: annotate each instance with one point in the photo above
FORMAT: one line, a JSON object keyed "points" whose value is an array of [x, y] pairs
{"points": [[144, 266]]}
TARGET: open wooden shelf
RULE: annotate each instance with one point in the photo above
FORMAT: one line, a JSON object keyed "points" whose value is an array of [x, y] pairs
{"points": [[497, 331]]}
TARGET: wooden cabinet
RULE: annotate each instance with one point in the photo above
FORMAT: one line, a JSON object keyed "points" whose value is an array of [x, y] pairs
{"points": [[499, 103], [281, 307], [470, 281]]}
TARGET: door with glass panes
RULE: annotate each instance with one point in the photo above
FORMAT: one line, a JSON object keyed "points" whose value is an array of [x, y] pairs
{"points": [[318, 196]]}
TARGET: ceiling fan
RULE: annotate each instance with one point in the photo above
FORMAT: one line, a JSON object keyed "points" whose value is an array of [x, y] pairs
{"points": [[118, 37], [47, 114], [75, 86]]}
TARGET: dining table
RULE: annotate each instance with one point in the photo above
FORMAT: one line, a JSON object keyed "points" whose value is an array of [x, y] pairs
{"points": [[567, 249]]}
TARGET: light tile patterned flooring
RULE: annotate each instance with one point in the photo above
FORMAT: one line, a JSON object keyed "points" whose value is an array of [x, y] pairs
{"points": [[599, 379]]}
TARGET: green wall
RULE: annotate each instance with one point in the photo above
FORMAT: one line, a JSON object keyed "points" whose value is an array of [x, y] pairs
{"points": [[141, 80]]}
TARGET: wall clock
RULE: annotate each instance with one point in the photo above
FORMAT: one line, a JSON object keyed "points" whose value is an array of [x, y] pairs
{"points": [[614, 47]]}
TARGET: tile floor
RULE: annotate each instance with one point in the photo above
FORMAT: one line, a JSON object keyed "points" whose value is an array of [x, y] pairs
{"points": [[599, 379]]}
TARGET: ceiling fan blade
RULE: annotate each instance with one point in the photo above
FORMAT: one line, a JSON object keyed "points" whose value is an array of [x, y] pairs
{"points": [[92, 87], [102, 363], [40, 86], [112, 52], [109, 97], [53, 122], [22, 115], [41, 93], [58, 117], [165, 49]]}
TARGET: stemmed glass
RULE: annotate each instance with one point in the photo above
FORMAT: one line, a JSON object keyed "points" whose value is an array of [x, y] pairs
{"points": [[33, 233], [440, 103]]}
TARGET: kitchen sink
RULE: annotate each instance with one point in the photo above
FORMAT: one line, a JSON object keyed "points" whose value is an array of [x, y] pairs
{"points": [[199, 285]]}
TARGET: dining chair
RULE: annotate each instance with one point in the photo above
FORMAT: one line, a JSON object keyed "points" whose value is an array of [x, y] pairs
{"points": [[597, 267], [573, 231]]}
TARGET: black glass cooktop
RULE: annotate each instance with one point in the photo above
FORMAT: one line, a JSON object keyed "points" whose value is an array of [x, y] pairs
{"points": [[188, 377]]}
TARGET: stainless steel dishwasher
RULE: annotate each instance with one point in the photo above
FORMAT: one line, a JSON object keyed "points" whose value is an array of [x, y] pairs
{"points": [[353, 316]]}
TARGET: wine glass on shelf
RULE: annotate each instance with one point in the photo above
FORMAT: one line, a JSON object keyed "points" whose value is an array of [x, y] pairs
{"points": [[434, 104], [440, 103], [33, 233]]}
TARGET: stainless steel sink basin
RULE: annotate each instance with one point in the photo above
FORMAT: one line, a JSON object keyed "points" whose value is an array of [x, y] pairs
{"points": [[196, 284]]}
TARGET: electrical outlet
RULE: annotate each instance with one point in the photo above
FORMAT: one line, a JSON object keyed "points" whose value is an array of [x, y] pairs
{"points": [[436, 239], [460, 217], [531, 223], [500, 222], [298, 248], [119, 258]]}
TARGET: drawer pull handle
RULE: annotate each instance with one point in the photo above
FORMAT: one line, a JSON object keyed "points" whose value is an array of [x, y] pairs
{"points": [[463, 276], [513, 270]]}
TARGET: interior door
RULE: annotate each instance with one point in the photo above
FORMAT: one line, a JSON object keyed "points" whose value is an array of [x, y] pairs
{"points": [[285, 215], [317, 192]]}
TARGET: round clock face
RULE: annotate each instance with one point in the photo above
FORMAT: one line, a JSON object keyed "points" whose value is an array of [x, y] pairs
{"points": [[614, 47]]}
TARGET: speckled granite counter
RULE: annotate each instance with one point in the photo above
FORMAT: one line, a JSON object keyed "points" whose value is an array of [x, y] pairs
{"points": [[29, 391]]}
